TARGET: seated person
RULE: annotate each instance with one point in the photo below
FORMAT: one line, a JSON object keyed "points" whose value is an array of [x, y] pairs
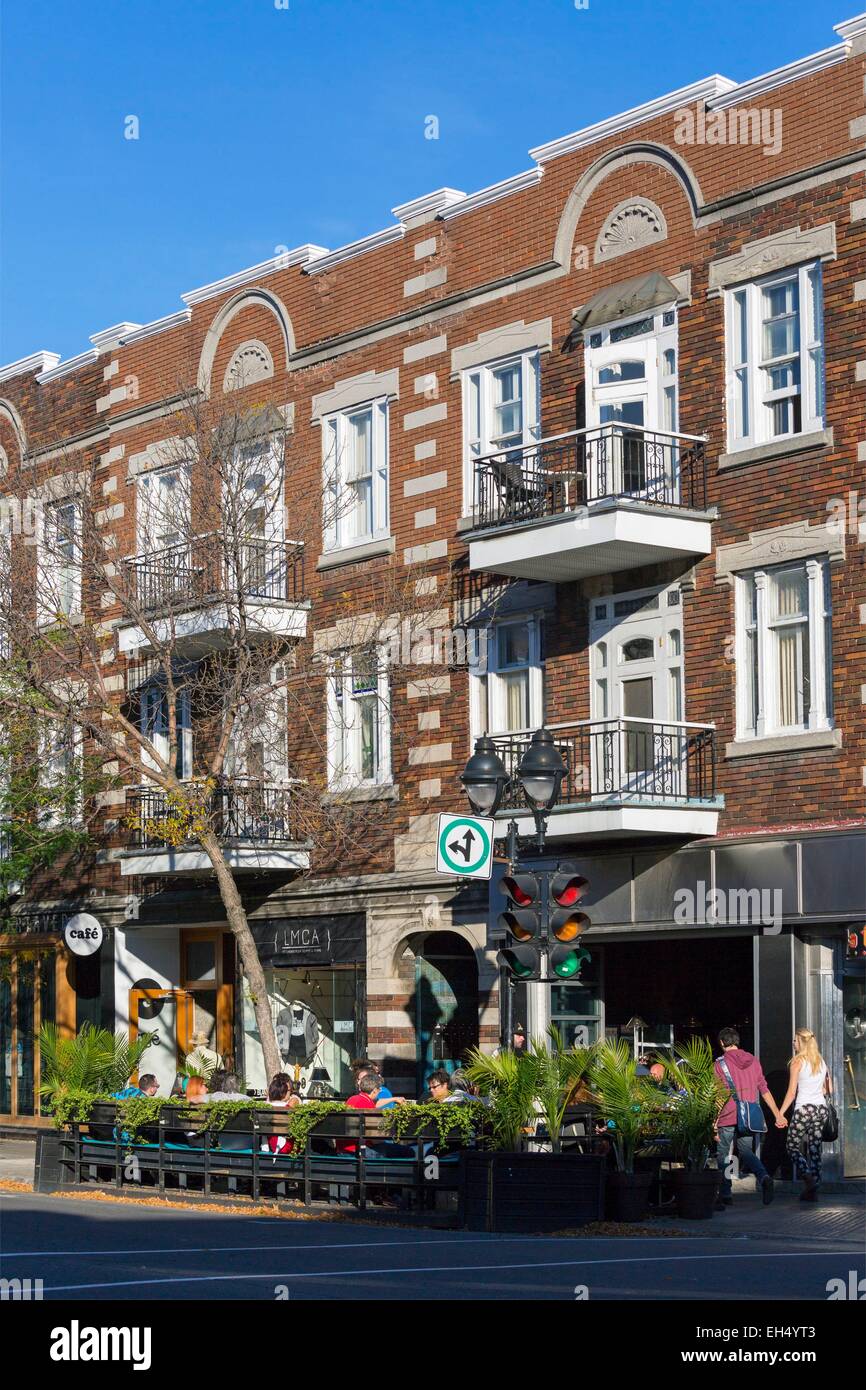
{"points": [[281, 1096], [383, 1098], [363, 1099], [439, 1085], [225, 1085], [147, 1086]]}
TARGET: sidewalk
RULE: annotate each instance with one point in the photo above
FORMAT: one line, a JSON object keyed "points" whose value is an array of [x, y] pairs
{"points": [[836, 1216]]}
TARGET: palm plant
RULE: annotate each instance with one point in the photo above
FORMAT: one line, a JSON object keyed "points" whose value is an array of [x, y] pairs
{"points": [[693, 1108], [556, 1074], [627, 1102], [94, 1062], [509, 1081]]}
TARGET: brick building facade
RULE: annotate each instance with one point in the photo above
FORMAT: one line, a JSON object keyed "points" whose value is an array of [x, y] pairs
{"points": [[652, 340]]}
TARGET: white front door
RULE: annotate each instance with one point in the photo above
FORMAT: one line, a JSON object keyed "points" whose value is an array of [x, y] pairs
{"points": [[637, 694]]}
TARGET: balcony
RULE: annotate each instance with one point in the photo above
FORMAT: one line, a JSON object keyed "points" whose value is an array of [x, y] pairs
{"points": [[590, 502], [198, 597], [625, 777], [256, 824]]}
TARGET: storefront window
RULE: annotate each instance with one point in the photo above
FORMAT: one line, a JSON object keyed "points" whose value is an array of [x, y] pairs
{"points": [[318, 1014], [27, 1000]]}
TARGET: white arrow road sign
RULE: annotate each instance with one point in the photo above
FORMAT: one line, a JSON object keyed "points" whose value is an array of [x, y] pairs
{"points": [[464, 846]]}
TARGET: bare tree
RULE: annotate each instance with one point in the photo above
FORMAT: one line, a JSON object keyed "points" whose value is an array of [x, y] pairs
{"points": [[185, 669]]}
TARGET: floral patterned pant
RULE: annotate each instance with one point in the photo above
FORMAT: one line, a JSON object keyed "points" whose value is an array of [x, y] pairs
{"points": [[803, 1140]]}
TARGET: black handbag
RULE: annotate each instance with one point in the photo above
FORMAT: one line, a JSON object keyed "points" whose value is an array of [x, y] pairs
{"points": [[830, 1132]]}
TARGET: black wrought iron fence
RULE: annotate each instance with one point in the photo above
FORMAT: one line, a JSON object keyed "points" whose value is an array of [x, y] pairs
{"points": [[249, 812], [208, 567], [551, 477], [622, 759]]}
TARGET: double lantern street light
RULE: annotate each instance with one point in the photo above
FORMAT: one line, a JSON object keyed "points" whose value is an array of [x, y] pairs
{"points": [[539, 774]]}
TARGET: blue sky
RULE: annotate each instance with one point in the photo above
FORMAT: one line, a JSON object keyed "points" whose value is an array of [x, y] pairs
{"points": [[262, 126]]}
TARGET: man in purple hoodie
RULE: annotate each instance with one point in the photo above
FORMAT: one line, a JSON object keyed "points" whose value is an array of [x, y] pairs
{"points": [[750, 1083]]}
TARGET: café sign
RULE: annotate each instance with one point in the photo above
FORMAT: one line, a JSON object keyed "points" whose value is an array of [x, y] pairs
{"points": [[83, 934]]}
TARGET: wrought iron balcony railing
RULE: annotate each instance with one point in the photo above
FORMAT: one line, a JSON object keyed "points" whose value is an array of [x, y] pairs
{"points": [[621, 761], [243, 813], [207, 568], [555, 476]]}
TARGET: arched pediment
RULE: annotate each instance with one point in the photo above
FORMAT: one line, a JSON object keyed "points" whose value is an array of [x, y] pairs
{"points": [[244, 299], [10, 414], [602, 168]]}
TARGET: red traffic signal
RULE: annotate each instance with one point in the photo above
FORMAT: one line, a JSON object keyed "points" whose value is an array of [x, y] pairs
{"points": [[567, 886], [522, 917]]}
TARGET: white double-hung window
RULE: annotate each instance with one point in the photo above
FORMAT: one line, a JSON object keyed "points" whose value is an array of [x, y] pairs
{"points": [[501, 411], [784, 652], [59, 592], [775, 357], [507, 690], [355, 448], [359, 720]]}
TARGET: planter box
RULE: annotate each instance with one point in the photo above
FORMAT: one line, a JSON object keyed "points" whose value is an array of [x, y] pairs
{"points": [[525, 1192], [53, 1160]]}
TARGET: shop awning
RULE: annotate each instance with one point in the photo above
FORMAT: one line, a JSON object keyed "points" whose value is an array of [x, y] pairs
{"points": [[625, 299]]}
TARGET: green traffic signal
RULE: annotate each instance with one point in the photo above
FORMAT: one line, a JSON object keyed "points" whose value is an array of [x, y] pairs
{"points": [[523, 962], [566, 963]]}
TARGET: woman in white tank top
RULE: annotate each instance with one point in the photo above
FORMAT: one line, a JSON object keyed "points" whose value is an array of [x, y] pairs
{"points": [[808, 1088]]}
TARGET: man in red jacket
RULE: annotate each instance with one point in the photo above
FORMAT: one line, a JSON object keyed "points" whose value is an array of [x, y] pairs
{"points": [[750, 1083]]}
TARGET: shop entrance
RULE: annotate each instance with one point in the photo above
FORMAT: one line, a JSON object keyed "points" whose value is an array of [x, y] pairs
{"points": [[679, 989], [446, 1003], [28, 998]]}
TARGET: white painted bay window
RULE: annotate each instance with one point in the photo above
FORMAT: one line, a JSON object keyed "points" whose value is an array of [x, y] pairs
{"points": [[775, 357], [784, 652], [355, 447], [359, 720]]}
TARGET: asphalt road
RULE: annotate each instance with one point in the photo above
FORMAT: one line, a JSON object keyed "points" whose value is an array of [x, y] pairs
{"points": [[90, 1250]]}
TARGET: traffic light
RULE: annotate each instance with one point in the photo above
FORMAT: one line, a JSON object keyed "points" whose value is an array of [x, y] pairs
{"points": [[522, 920], [565, 922]]}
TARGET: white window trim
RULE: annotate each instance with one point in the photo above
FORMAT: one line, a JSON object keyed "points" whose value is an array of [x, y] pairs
{"points": [[272, 721], [482, 444], [811, 347], [144, 516], [335, 480], [49, 752], [48, 568], [185, 742], [651, 346], [766, 716], [489, 667], [346, 778]]}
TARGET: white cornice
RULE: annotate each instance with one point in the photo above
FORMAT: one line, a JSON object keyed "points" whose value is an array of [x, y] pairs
{"points": [[36, 362], [301, 255], [791, 72], [356, 248], [528, 179], [851, 28], [428, 202], [109, 337], [158, 326], [703, 90], [70, 365]]}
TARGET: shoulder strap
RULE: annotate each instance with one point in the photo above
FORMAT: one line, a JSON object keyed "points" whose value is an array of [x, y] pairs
{"points": [[730, 1080]]}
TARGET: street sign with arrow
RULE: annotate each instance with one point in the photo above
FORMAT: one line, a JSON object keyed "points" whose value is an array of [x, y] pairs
{"points": [[464, 846]]}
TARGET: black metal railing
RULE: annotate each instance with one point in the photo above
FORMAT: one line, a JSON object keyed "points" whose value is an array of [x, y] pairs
{"points": [[248, 812], [209, 567], [555, 476], [621, 760]]}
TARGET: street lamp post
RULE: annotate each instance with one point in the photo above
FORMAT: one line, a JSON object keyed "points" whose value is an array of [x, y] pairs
{"points": [[539, 775]]}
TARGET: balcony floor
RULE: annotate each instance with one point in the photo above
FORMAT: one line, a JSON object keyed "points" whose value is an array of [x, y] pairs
{"points": [[211, 627], [190, 860], [625, 820], [607, 536]]}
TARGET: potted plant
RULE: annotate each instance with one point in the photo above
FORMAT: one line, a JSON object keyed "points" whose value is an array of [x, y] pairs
{"points": [[95, 1062], [508, 1188], [627, 1104], [695, 1098]]}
